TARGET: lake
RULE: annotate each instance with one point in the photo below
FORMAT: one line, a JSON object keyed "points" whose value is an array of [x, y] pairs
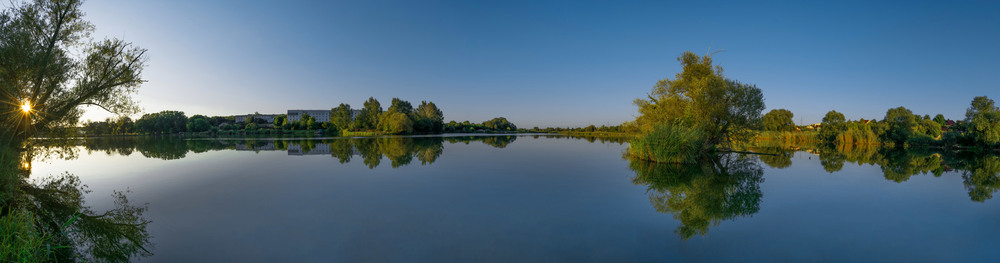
{"points": [[524, 198]]}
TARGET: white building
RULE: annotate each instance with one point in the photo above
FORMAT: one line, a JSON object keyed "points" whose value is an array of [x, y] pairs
{"points": [[318, 115]]}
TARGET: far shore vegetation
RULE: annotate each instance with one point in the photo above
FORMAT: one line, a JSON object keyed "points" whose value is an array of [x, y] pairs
{"points": [[51, 68], [701, 112]]}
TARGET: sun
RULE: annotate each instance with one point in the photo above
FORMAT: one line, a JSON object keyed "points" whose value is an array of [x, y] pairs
{"points": [[26, 106]]}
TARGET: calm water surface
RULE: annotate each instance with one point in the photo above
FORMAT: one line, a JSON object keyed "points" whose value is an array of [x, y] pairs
{"points": [[537, 199]]}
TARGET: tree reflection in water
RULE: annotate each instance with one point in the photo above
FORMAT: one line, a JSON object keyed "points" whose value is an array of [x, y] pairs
{"points": [[980, 172], [981, 177], [400, 151], [702, 195], [73, 231]]}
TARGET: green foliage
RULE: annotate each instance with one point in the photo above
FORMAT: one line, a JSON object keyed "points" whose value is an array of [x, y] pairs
{"points": [[984, 121], [428, 118], [499, 124], [401, 106], [198, 123], [341, 116], [280, 120], [668, 144], [832, 125], [940, 119], [307, 122], [700, 96], [902, 123], [50, 61], [110, 126], [395, 123], [702, 195], [857, 133], [982, 177], [779, 158], [778, 120], [369, 116], [929, 128], [162, 122], [786, 138], [21, 239]]}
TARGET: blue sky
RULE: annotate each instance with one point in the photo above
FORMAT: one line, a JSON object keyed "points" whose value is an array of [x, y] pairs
{"points": [[554, 63]]}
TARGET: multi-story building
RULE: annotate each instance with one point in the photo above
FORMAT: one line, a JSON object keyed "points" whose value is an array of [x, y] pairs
{"points": [[318, 115], [294, 115]]}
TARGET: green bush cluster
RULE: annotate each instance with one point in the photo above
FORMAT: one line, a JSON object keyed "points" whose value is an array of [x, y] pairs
{"points": [[669, 144]]}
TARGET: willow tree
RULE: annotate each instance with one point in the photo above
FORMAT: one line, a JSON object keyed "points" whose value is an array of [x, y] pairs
{"points": [[49, 68], [43, 82], [699, 102]]}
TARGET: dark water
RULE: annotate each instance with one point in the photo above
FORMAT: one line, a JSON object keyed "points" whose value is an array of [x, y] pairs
{"points": [[537, 199]]}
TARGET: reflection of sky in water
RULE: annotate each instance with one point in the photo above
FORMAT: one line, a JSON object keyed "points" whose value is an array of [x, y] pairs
{"points": [[537, 199]]}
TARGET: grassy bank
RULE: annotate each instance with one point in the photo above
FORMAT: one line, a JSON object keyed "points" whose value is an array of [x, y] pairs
{"points": [[21, 239]]}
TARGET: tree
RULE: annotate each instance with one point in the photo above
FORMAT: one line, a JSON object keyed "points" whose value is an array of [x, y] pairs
{"points": [[902, 123], [833, 124], [341, 116], [162, 122], [198, 123], [778, 120], [368, 117], [279, 120], [308, 122], [940, 119], [396, 123], [285, 125], [700, 96], [40, 70], [499, 124], [984, 121], [401, 106], [428, 118]]}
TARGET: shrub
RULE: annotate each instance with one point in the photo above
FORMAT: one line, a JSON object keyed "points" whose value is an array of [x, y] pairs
{"points": [[669, 144]]}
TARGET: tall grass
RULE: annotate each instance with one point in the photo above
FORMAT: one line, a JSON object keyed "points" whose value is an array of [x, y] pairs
{"points": [[668, 144], [857, 134], [346, 133], [20, 238], [787, 138]]}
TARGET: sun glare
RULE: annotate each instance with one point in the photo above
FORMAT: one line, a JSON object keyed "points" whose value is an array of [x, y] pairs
{"points": [[26, 106]]}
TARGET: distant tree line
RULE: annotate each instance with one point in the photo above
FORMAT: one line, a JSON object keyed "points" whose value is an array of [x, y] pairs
{"points": [[900, 127], [499, 124], [400, 118]]}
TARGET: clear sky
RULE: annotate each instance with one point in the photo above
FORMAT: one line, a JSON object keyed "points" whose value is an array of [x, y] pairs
{"points": [[554, 63]]}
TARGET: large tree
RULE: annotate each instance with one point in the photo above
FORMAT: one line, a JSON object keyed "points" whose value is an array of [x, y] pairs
{"points": [[701, 97], [778, 120], [341, 116], [369, 116], [902, 123], [401, 106], [833, 124], [49, 68], [428, 118], [983, 117]]}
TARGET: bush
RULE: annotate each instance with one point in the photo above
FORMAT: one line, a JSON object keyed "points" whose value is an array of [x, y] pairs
{"points": [[669, 144], [922, 140]]}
